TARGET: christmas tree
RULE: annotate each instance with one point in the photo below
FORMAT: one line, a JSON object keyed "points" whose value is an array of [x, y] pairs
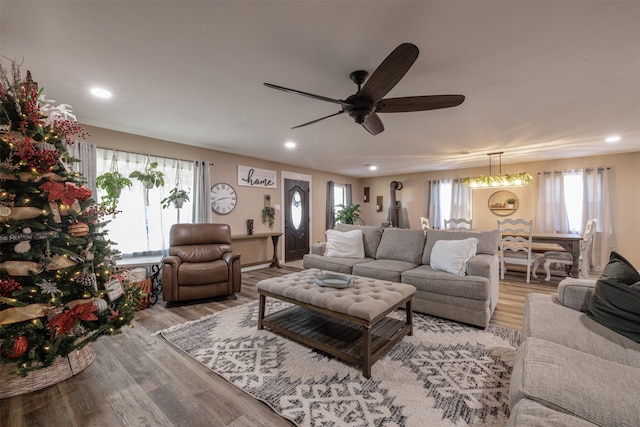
{"points": [[57, 287]]}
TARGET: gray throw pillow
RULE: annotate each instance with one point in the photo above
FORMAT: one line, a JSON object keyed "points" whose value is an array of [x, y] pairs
{"points": [[615, 302]]}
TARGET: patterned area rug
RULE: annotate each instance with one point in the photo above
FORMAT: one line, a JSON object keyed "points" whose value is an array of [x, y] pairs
{"points": [[446, 374]]}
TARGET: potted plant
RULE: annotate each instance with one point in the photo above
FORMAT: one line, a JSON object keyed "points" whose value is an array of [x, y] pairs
{"points": [[151, 177], [511, 202], [349, 214], [268, 215], [112, 182], [177, 196]]}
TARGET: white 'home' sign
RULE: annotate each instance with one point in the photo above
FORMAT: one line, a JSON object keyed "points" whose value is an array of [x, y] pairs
{"points": [[253, 177]]}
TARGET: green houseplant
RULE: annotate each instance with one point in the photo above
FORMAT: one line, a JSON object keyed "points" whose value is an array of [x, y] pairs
{"points": [[268, 215], [113, 183], [349, 214], [177, 196], [151, 177], [511, 202]]}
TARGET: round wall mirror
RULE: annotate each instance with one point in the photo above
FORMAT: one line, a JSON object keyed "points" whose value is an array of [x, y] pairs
{"points": [[503, 203]]}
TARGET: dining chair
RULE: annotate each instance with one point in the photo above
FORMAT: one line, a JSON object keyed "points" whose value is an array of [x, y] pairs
{"points": [[458, 224], [516, 245], [424, 223], [566, 259]]}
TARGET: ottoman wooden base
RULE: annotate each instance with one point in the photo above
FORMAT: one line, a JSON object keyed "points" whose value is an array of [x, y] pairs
{"points": [[358, 345]]}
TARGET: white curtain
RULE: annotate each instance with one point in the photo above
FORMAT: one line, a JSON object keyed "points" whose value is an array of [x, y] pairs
{"points": [[201, 192], [140, 230], [597, 204], [433, 197], [460, 200], [86, 153], [551, 214]]}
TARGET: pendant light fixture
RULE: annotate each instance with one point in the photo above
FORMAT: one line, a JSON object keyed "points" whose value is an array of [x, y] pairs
{"points": [[501, 180]]}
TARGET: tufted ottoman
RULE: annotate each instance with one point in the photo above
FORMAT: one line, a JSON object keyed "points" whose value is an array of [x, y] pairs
{"points": [[350, 323]]}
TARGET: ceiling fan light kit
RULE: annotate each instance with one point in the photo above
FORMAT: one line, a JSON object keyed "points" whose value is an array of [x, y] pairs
{"points": [[363, 106], [502, 180]]}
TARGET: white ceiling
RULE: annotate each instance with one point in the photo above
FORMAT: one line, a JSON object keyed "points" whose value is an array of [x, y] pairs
{"points": [[542, 79]]}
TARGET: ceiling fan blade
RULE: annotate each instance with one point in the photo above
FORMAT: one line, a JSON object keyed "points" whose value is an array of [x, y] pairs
{"points": [[389, 73], [298, 92], [373, 124], [317, 120], [418, 103]]}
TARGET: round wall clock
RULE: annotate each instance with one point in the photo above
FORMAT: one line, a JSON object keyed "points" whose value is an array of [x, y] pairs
{"points": [[223, 198]]}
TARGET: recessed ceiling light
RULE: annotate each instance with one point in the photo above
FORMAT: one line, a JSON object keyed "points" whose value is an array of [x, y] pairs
{"points": [[100, 93], [612, 139], [290, 144], [372, 167]]}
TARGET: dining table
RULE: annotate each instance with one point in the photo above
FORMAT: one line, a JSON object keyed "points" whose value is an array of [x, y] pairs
{"points": [[550, 241], [568, 241]]}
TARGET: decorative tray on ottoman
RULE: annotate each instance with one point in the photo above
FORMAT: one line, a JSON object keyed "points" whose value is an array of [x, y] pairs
{"points": [[332, 280]]}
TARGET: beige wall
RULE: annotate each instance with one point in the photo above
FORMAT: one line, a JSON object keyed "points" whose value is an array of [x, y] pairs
{"points": [[225, 169], [626, 195]]}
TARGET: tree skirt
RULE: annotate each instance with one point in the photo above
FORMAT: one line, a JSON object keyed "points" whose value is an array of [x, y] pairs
{"points": [[445, 374]]}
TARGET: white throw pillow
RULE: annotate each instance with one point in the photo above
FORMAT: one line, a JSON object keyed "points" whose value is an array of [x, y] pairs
{"points": [[345, 244], [452, 256]]}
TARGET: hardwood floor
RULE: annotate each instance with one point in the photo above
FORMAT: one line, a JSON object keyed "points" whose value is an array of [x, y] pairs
{"points": [[138, 379]]}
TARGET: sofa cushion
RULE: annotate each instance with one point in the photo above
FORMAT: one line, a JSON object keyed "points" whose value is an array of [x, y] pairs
{"points": [[533, 414], [571, 381], [575, 293], [427, 279], [383, 269], [615, 302], [401, 245], [370, 235], [452, 256], [487, 241], [339, 265], [546, 319], [344, 244]]}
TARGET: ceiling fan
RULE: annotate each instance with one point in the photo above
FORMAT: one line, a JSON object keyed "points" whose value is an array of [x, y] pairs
{"points": [[368, 101]]}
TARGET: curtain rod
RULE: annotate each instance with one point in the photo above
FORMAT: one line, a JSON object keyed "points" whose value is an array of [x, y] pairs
{"points": [[147, 154], [576, 170]]}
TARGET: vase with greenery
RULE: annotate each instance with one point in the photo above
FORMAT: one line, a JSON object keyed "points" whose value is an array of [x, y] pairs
{"points": [[113, 183], [268, 215], [511, 202], [177, 196], [349, 214], [151, 177]]}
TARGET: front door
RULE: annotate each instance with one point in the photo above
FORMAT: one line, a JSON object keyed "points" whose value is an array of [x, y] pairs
{"points": [[296, 219]]}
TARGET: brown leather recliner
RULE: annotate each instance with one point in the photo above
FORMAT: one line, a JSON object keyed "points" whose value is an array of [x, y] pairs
{"points": [[200, 263]]}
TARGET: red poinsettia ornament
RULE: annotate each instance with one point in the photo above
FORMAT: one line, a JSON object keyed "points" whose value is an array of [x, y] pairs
{"points": [[67, 193], [63, 322], [20, 345]]}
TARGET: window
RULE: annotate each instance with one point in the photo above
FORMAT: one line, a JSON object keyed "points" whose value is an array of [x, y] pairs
{"points": [[568, 199], [141, 229], [573, 191], [448, 198], [339, 197]]}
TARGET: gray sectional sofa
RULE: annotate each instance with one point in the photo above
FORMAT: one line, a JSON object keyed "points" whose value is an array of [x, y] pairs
{"points": [[571, 370], [404, 256]]}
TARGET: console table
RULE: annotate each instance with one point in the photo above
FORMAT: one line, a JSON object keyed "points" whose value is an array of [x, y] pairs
{"points": [[275, 262]]}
